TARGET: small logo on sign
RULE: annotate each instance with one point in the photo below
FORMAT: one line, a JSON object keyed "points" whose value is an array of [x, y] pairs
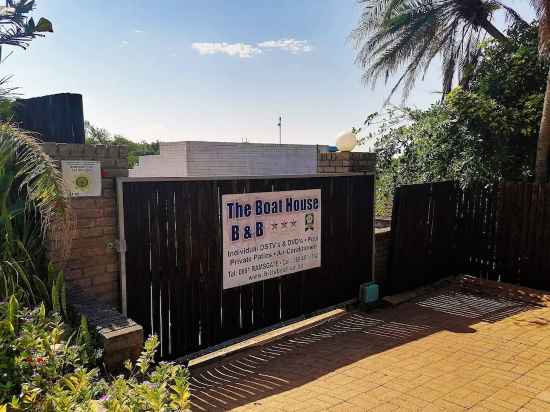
{"points": [[310, 221], [82, 183]]}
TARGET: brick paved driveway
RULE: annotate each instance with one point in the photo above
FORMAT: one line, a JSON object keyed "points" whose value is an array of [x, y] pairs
{"points": [[451, 350]]}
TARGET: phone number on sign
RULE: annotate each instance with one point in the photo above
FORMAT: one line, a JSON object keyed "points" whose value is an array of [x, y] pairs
{"points": [[277, 271]]}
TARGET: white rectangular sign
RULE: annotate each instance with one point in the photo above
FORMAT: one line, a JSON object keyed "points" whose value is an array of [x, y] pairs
{"points": [[82, 177], [270, 234]]}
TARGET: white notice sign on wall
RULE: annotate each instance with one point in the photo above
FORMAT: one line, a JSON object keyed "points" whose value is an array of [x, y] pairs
{"points": [[82, 177], [266, 235]]}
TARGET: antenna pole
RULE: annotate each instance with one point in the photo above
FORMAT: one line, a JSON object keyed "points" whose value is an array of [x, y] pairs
{"points": [[280, 127]]}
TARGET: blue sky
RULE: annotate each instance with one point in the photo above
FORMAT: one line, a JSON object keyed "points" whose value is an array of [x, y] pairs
{"points": [[209, 69]]}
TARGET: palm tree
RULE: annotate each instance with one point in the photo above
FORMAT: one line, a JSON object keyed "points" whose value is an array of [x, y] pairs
{"points": [[406, 35], [543, 144]]}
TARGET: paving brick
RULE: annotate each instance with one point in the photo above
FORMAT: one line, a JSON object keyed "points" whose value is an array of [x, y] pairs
{"points": [[457, 363]]}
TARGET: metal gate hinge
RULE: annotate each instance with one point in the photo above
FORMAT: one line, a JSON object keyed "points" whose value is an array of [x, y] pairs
{"points": [[120, 245]]}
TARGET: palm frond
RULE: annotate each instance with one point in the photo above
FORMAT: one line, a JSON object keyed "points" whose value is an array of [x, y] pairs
{"points": [[510, 13], [542, 8], [402, 37], [16, 29], [38, 180]]}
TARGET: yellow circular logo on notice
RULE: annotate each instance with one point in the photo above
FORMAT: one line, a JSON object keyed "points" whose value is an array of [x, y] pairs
{"points": [[82, 183]]}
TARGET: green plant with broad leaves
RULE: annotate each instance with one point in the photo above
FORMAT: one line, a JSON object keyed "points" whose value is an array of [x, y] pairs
{"points": [[32, 206], [36, 351], [46, 367], [17, 30], [164, 387]]}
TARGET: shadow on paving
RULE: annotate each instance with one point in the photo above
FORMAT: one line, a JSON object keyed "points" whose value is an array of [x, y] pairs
{"points": [[295, 360]]}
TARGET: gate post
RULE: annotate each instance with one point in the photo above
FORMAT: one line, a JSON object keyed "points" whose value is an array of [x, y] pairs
{"points": [[352, 162], [121, 246], [346, 162]]}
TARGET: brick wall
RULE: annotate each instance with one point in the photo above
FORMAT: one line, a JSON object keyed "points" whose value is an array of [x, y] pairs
{"points": [[346, 162], [93, 261]]}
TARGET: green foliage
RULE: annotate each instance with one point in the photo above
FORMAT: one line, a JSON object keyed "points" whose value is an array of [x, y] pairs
{"points": [[29, 180], [164, 388], [51, 291], [32, 201], [487, 133], [35, 355], [6, 104], [96, 135], [136, 149], [403, 37], [17, 29], [32, 204], [43, 367]]}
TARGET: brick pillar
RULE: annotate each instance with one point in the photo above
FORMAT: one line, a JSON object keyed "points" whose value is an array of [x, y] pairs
{"points": [[346, 162], [93, 260]]}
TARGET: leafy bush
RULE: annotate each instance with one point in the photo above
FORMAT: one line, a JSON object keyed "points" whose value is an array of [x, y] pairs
{"points": [[35, 352], [164, 388], [486, 132], [32, 206], [43, 367], [97, 135]]}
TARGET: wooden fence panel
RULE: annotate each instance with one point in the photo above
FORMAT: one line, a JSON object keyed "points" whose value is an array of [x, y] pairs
{"points": [[475, 231], [56, 118], [498, 233], [174, 258], [410, 238], [542, 249], [442, 231]]}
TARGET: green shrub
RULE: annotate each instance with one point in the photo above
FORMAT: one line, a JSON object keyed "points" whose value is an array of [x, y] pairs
{"points": [[33, 208], [44, 367], [163, 388], [486, 132]]}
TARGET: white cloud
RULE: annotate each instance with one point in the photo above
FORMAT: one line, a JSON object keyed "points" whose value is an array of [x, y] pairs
{"points": [[242, 50], [138, 31], [291, 45], [124, 43], [245, 51]]}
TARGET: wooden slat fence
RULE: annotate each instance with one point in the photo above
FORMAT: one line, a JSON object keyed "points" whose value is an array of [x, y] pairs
{"points": [[422, 235], [55, 118], [498, 233], [174, 258]]}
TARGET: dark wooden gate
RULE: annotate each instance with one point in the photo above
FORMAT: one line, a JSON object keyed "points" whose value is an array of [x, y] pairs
{"points": [[422, 235], [498, 233], [172, 231]]}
